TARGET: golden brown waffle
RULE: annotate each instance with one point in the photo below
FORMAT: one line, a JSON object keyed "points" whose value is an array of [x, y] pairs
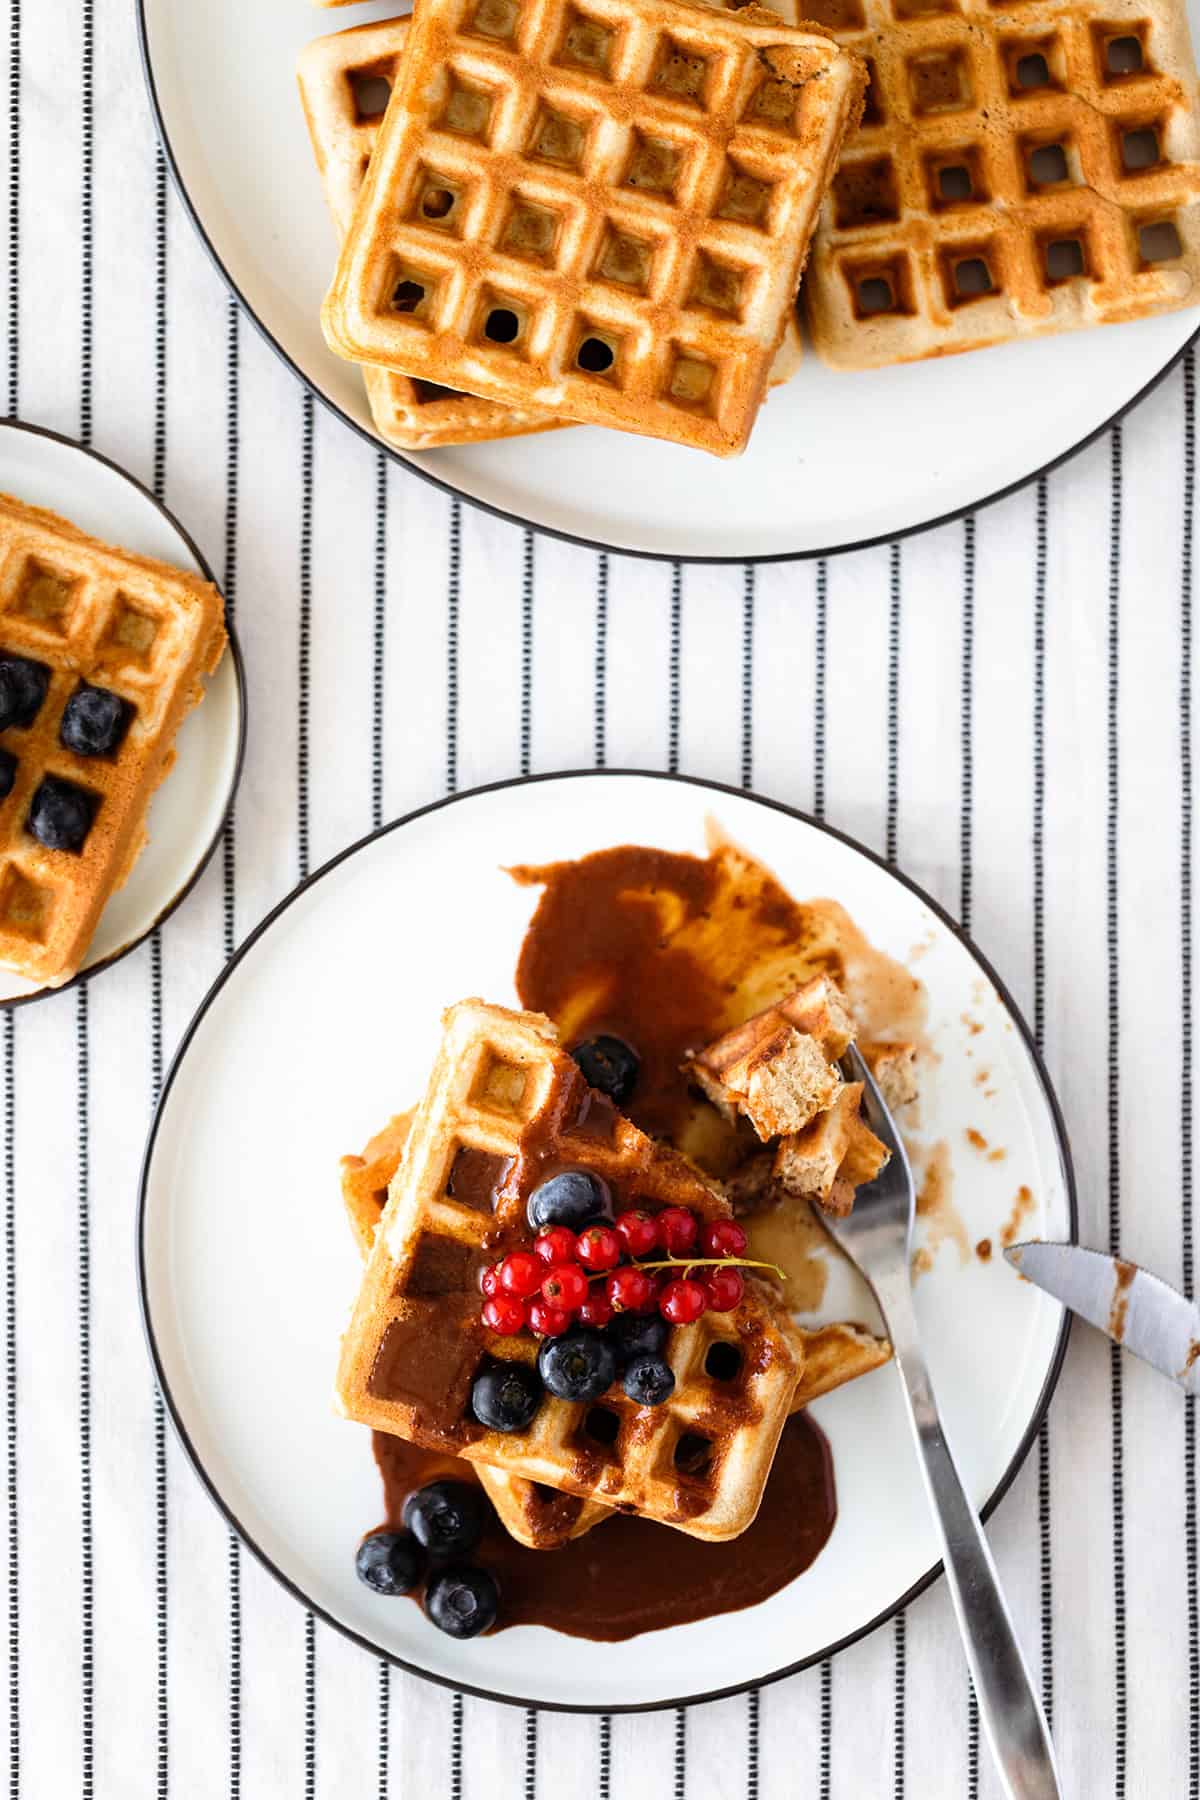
{"points": [[86, 612], [779, 1068], [1021, 169], [602, 210], [505, 1106]]}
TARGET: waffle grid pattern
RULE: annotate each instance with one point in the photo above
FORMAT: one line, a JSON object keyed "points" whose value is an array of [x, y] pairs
{"points": [[1019, 170]]}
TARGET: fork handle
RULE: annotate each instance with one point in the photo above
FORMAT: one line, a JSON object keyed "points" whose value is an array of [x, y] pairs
{"points": [[1009, 1708]]}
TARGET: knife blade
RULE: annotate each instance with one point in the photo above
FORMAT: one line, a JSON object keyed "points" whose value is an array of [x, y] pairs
{"points": [[1130, 1305]]}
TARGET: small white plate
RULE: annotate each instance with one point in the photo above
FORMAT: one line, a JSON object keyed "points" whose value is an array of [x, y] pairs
{"points": [[189, 810], [324, 1025]]}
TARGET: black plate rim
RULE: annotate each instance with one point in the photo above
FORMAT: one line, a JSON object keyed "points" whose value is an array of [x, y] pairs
{"points": [[1037, 1415]]}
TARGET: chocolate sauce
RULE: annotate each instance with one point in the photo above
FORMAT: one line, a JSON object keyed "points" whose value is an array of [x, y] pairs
{"points": [[631, 1575]]}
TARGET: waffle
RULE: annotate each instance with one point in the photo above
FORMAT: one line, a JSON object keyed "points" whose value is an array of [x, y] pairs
{"points": [[86, 612], [1020, 170], [504, 1106], [779, 1068], [603, 211]]}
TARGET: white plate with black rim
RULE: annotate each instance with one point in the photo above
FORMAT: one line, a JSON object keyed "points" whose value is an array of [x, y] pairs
{"points": [[189, 810], [324, 1025], [837, 460]]}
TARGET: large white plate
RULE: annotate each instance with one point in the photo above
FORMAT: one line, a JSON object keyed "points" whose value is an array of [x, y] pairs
{"points": [[324, 1025], [188, 811]]}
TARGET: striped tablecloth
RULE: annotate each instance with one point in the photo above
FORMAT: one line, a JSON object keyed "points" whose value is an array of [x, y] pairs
{"points": [[1003, 706]]}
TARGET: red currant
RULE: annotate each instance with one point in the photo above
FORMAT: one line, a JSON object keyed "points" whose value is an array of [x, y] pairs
{"points": [[724, 1237], [489, 1281], [565, 1286], [682, 1302], [557, 1245], [504, 1314], [548, 1320], [638, 1230], [677, 1230], [629, 1289], [521, 1274], [596, 1311], [600, 1248], [724, 1288]]}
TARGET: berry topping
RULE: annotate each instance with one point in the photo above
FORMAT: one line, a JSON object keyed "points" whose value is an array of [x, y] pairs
{"points": [[558, 1245], [573, 1198], [639, 1334], [565, 1286], [506, 1397], [8, 773], [23, 687], [648, 1380], [677, 1230], [596, 1311], [391, 1562], [521, 1274], [579, 1366], [548, 1320], [94, 721], [61, 814], [724, 1237], [724, 1288], [505, 1314], [462, 1602], [629, 1290], [599, 1248], [609, 1064], [682, 1302], [489, 1281], [638, 1231], [446, 1517]]}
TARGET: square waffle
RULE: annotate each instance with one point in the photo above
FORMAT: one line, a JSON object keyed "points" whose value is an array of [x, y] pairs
{"points": [[504, 1108], [85, 613], [632, 185], [1021, 169]]}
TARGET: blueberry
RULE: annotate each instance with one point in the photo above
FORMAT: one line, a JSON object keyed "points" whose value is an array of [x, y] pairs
{"points": [[506, 1397], [608, 1063], [61, 814], [638, 1334], [462, 1602], [94, 721], [446, 1517], [391, 1562], [574, 1199], [23, 687], [8, 773], [581, 1365], [649, 1381]]}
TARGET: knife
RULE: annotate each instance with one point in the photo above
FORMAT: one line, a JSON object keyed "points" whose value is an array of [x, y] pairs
{"points": [[1130, 1305]]}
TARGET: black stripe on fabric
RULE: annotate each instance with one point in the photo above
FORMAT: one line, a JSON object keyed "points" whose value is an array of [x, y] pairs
{"points": [[229, 872], [1045, 1523], [600, 749], [87, 1566], [753, 1737], [305, 647], [385, 1727], [966, 823], [899, 1638], [893, 705], [604, 1783], [748, 589], [310, 1706], [1120, 1685], [825, 1767], [527, 656], [10, 1409], [674, 675], [377, 665], [531, 1754], [452, 588], [86, 222], [1187, 1249], [14, 209], [456, 1748], [680, 1788], [819, 693], [160, 326]]}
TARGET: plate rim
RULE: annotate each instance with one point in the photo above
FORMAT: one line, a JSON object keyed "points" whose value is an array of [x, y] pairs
{"points": [[1036, 1417], [239, 675]]}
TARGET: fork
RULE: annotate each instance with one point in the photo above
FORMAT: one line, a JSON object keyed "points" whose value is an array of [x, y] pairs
{"points": [[876, 1237]]}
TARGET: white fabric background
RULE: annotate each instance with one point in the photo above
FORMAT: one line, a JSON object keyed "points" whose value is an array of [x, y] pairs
{"points": [[1003, 705]]}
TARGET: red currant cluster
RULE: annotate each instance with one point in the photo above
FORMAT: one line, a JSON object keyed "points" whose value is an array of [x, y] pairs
{"points": [[569, 1279]]}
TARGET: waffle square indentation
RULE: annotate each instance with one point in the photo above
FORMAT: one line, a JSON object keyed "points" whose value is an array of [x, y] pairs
{"points": [[655, 165], [745, 196], [955, 178], [26, 906], [130, 634], [413, 292], [439, 201], [680, 71], [557, 138], [865, 192], [531, 231], [586, 43], [468, 108], [940, 82], [718, 286], [500, 1086], [625, 260], [46, 596]]}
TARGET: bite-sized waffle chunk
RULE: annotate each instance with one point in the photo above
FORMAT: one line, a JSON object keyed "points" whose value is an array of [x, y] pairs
{"points": [[632, 187], [893, 1063], [779, 1067], [835, 1354], [102, 654], [834, 1154], [506, 1107], [1021, 169]]}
